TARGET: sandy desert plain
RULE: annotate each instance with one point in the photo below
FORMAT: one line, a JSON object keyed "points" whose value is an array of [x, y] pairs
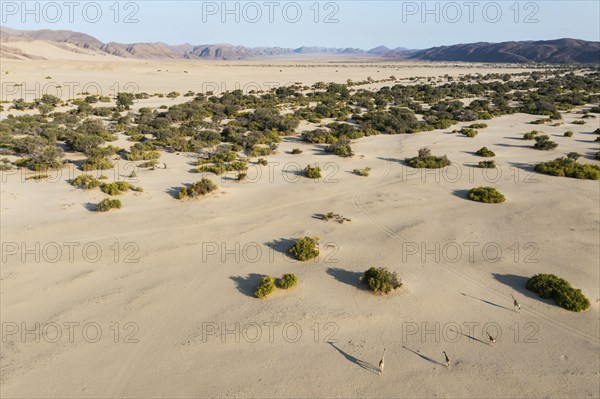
{"points": [[157, 299]]}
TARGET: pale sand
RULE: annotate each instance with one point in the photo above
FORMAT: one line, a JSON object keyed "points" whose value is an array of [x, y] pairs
{"points": [[171, 292]]}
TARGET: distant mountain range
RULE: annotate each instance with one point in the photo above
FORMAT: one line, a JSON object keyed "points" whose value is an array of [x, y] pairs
{"points": [[552, 51]]}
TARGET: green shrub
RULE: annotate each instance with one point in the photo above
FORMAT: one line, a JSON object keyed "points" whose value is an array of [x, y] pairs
{"points": [[568, 134], [340, 148], [579, 122], [287, 281], [38, 177], [258, 151], [96, 163], [262, 161], [598, 155], [296, 151], [217, 169], [549, 286], [478, 126], [305, 248], [468, 132], [544, 143], [485, 152], [266, 287], [116, 188], [565, 167], [531, 135], [488, 195], [541, 121], [487, 164], [197, 189], [382, 280], [86, 182], [108, 204], [362, 172], [428, 161], [312, 172]]}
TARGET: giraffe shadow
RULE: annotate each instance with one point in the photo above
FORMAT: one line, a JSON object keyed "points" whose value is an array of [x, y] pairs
{"points": [[487, 302], [361, 363], [425, 357]]}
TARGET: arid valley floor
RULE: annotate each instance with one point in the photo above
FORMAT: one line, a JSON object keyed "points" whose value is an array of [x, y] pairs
{"points": [[159, 295]]}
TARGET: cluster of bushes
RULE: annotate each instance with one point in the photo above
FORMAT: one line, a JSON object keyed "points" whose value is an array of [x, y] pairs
{"points": [[312, 172], [531, 135], [340, 148], [428, 161], [569, 167], [142, 152], [115, 188], [488, 195], [107, 204], [544, 143], [200, 188], [86, 182], [268, 284], [485, 152], [222, 162], [305, 248], [381, 280], [468, 132], [549, 286]]}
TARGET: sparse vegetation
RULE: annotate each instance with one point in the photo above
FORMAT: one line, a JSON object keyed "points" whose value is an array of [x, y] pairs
{"points": [[550, 286], [488, 195], [428, 161], [544, 143], [107, 204], [487, 164], [312, 172], [305, 248], [266, 287], [362, 172], [381, 280], [568, 167], [485, 152], [287, 281], [86, 182], [200, 188]]}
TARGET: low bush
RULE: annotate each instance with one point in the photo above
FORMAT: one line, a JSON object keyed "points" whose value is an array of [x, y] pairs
{"points": [[362, 172], [485, 152], [541, 121], [579, 122], [340, 148], [116, 188], [107, 204], [381, 280], [549, 286], [568, 134], [266, 287], [200, 188], [96, 163], [296, 151], [428, 161], [478, 126], [86, 182], [258, 151], [488, 195], [544, 143], [312, 172], [487, 164], [531, 135], [305, 248], [566, 167], [287, 281], [465, 131], [262, 161]]}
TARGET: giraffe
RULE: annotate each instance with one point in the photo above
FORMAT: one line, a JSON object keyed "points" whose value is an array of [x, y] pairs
{"points": [[447, 359], [516, 303], [382, 362]]}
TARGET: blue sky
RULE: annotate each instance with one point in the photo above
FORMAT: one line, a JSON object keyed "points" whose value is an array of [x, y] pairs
{"points": [[362, 24]]}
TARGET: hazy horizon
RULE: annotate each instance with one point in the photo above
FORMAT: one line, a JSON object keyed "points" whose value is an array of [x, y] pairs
{"points": [[342, 24]]}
